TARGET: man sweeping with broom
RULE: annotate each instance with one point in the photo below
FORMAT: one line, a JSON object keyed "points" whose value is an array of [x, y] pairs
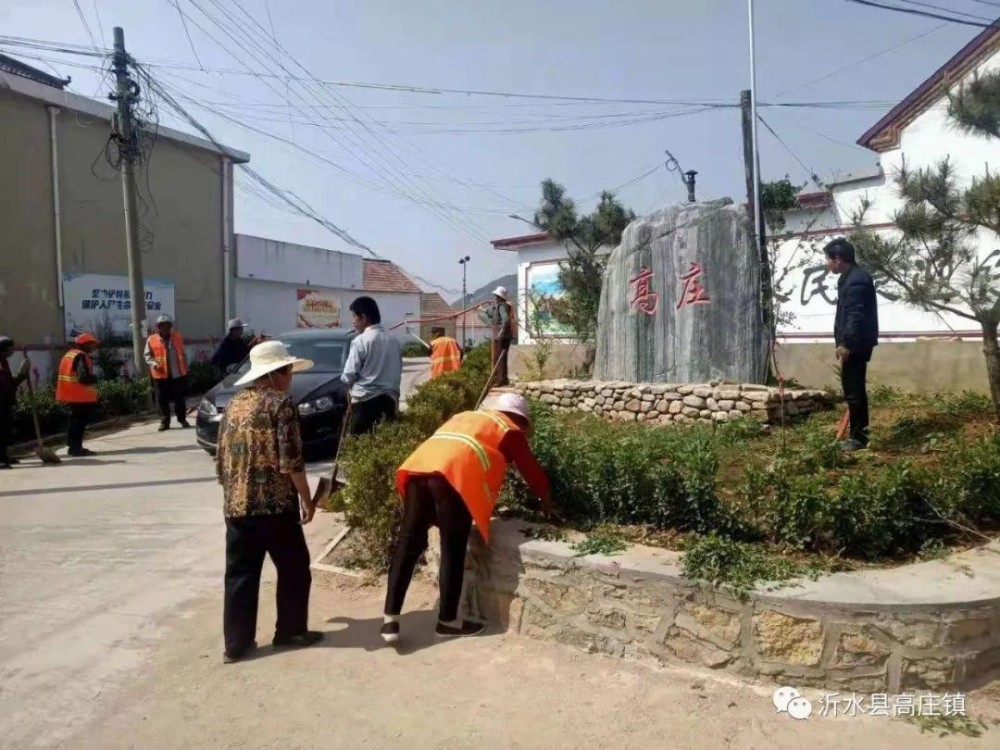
{"points": [[77, 388], [451, 480]]}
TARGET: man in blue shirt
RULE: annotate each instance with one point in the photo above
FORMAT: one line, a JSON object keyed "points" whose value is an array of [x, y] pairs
{"points": [[374, 368]]}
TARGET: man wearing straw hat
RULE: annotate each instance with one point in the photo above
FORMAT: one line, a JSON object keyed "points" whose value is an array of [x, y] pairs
{"points": [[452, 479], [267, 500]]}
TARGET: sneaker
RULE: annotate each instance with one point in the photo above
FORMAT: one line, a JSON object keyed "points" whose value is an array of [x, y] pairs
{"points": [[467, 628], [849, 446], [231, 657], [390, 632], [308, 638]]}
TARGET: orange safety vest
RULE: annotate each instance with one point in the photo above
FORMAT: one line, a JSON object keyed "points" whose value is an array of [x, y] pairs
{"points": [[445, 356], [69, 389], [466, 452], [160, 355]]}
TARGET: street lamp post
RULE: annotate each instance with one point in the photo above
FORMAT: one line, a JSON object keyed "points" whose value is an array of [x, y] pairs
{"points": [[465, 300]]}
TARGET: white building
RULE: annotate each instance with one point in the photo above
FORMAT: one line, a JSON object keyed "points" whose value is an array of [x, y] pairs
{"points": [[916, 131], [280, 286], [538, 259]]}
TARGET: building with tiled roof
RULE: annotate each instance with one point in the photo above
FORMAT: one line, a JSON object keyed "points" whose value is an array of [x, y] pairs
{"points": [[434, 311], [386, 276]]}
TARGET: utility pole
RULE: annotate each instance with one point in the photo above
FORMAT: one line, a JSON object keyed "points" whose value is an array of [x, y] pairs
{"points": [[751, 165], [465, 300], [125, 94]]}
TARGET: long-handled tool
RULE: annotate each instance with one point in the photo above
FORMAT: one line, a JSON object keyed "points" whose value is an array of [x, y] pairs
{"points": [[842, 425], [329, 485], [47, 455], [489, 380]]}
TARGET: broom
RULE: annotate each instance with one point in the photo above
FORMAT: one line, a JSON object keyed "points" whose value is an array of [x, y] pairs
{"points": [[47, 455]]}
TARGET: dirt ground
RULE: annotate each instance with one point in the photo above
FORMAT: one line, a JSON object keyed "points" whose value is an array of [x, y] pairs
{"points": [[497, 691]]}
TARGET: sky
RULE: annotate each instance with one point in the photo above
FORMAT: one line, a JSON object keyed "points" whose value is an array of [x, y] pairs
{"points": [[427, 177]]}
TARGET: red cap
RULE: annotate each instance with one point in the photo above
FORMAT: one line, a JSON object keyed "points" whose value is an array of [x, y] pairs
{"points": [[86, 338]]}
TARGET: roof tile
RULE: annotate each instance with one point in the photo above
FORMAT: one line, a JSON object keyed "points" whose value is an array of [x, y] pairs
{"points": [[385, 276]]}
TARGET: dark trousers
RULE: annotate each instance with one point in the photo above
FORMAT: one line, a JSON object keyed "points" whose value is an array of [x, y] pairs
{"points": [[79, 415], [248, 539], [170, 393], [853, 375], [365, 415], [6, 430], [500, 350], [430, 501]]}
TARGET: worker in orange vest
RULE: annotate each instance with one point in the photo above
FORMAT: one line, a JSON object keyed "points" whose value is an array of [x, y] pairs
{"points": [[168, 368], [446, 355], [452, 479], [77, 388]]}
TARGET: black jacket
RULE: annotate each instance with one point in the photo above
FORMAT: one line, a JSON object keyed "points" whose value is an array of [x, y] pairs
{"points": [[856, 326], [230, 352]]}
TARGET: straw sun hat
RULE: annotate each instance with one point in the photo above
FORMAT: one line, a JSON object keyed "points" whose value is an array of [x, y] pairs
{"points": [[271, 356]]}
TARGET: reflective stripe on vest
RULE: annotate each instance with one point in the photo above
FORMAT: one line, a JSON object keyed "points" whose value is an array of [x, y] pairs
{"points": [[445, 356], [161, 356], [466, 452], [69, 389]]}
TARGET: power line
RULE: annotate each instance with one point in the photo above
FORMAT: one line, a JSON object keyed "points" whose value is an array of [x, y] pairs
{"points": [[925, 14], [83, 20], [921, 4], [863, 60], [808, 170], [187, 32]]}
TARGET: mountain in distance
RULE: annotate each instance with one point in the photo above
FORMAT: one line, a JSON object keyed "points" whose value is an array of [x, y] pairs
{"points": [[485, 292]]}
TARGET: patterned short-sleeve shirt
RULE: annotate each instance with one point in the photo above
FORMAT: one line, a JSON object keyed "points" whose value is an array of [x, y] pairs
{"points": [[260, 445]]}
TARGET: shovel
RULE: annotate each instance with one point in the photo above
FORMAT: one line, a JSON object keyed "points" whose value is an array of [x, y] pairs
{"points": [[329, 485], [47, 455]]}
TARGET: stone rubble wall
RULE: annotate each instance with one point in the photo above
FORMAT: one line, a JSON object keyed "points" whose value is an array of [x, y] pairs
{"points": [[666, 403], [638, 613]]}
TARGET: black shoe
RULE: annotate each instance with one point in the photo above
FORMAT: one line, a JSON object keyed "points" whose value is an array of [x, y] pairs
{"points": [[185, 424], [468, 628], [3, 467], [390, 632], [80, 452], [13, 461], [308, 638], [849, 446], [164, 426], [231, 657]]}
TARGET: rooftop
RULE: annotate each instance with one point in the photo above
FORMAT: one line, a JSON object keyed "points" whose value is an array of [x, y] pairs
{"points": [[514, 243], [50, 92], [18, 68], [386, 276]]}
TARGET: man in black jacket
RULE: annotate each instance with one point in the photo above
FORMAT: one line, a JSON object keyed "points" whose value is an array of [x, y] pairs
{"points": [[9, 382], [855, 333]]}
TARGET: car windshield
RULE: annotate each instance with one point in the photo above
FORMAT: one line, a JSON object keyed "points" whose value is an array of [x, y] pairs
{"points": [[329, 355]]}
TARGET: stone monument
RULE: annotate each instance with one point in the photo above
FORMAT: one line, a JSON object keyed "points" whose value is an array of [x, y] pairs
{"points": [[681, 299]]}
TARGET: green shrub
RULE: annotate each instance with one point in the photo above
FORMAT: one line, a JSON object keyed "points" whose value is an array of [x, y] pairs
{"points": [[414, 349], [741, 566], [122, 397]]}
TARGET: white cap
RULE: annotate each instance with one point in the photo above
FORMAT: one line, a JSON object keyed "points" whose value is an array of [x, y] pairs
{"points": [[268, 357], [235, 323], [164, 319], [512, 403], [501, 291]]}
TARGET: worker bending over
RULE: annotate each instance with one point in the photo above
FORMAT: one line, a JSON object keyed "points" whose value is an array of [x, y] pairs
{"points": [[446, 355], [452, 479]]}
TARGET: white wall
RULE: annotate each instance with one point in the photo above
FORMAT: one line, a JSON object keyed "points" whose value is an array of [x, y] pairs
{"points": [[272, 307], [929, 138], [270, 260]]}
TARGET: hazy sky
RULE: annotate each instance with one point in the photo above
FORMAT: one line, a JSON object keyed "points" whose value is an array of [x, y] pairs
{"points": [[426, 178]]}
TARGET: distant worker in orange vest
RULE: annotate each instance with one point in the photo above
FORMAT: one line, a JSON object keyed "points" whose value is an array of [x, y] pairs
{"points": [[446, 355], [452, 479], [168, 368], [77, 388]]}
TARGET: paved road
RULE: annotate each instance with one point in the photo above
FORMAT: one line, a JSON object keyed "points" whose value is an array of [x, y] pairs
{"points": [[110, 615]]}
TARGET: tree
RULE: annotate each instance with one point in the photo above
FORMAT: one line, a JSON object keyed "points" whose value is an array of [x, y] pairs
{"points": [[587, 240], [934, 262]]}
